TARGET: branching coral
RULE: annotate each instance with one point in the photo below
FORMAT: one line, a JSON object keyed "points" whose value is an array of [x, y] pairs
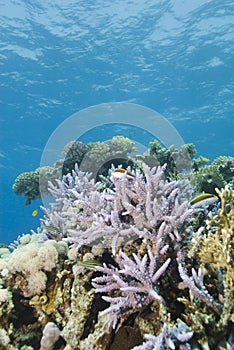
{"points": [[177, 160], [216, 175], [225, 165], [95, 156], [145, 207], [217, 250], [135, 279], [135, 208], [168, 339], [135, 262]]}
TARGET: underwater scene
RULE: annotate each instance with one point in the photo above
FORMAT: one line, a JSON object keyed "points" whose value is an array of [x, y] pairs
{"points": [[117, 175]]}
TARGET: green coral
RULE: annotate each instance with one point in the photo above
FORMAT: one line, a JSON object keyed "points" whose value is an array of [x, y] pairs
{"points": [[102, 154], [177, 160], [34, 184], [73, 153], [97, 157], [28, 185], [216, 175], [225, 166], [207, 179], [94, 157], [200, 162]]}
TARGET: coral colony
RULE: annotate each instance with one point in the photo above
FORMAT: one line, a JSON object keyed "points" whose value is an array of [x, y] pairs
{"points": [[128, 262]]}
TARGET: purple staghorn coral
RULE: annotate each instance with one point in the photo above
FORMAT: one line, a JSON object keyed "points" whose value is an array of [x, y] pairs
{"points": [[145, 206], [175, 338], [133, 284]]}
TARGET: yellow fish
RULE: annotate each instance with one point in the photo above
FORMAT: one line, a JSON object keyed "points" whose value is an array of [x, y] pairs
{"points": [[35, 212], [203, 199]]}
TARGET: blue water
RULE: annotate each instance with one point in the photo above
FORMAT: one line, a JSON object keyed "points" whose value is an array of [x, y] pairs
{"points": [[58, 57]]}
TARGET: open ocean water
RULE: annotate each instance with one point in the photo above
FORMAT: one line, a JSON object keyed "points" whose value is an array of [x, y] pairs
{"points": [[59, 57]]}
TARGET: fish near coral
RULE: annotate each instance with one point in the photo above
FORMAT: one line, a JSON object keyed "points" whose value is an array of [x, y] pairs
{"points": [[204, 199], [120, 173]]}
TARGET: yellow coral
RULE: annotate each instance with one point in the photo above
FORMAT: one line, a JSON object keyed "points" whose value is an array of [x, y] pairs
{"points": [[217, 245], [217, 248]]}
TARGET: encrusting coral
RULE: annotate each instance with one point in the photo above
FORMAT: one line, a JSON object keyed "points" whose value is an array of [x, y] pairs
{"points": [[122, 260]]}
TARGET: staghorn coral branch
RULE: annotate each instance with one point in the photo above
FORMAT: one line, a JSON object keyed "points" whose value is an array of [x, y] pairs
{"points": [[168, 339], [133, 283], [194, 283], [199, 290], [133, 208]]}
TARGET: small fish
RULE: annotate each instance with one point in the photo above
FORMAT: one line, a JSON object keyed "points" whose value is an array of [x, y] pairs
{"points": [[204, 199], [51, 229], [35, 212], [105, 180], [89, 264], [119, 173]]}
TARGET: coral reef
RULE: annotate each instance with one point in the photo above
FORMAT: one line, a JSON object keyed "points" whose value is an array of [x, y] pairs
{"points": [[177, 160], [168, 339], [140, 292], [31, 277], [34, 184], [216, 252], [216, 175], [100, 155], [125, 266]]}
